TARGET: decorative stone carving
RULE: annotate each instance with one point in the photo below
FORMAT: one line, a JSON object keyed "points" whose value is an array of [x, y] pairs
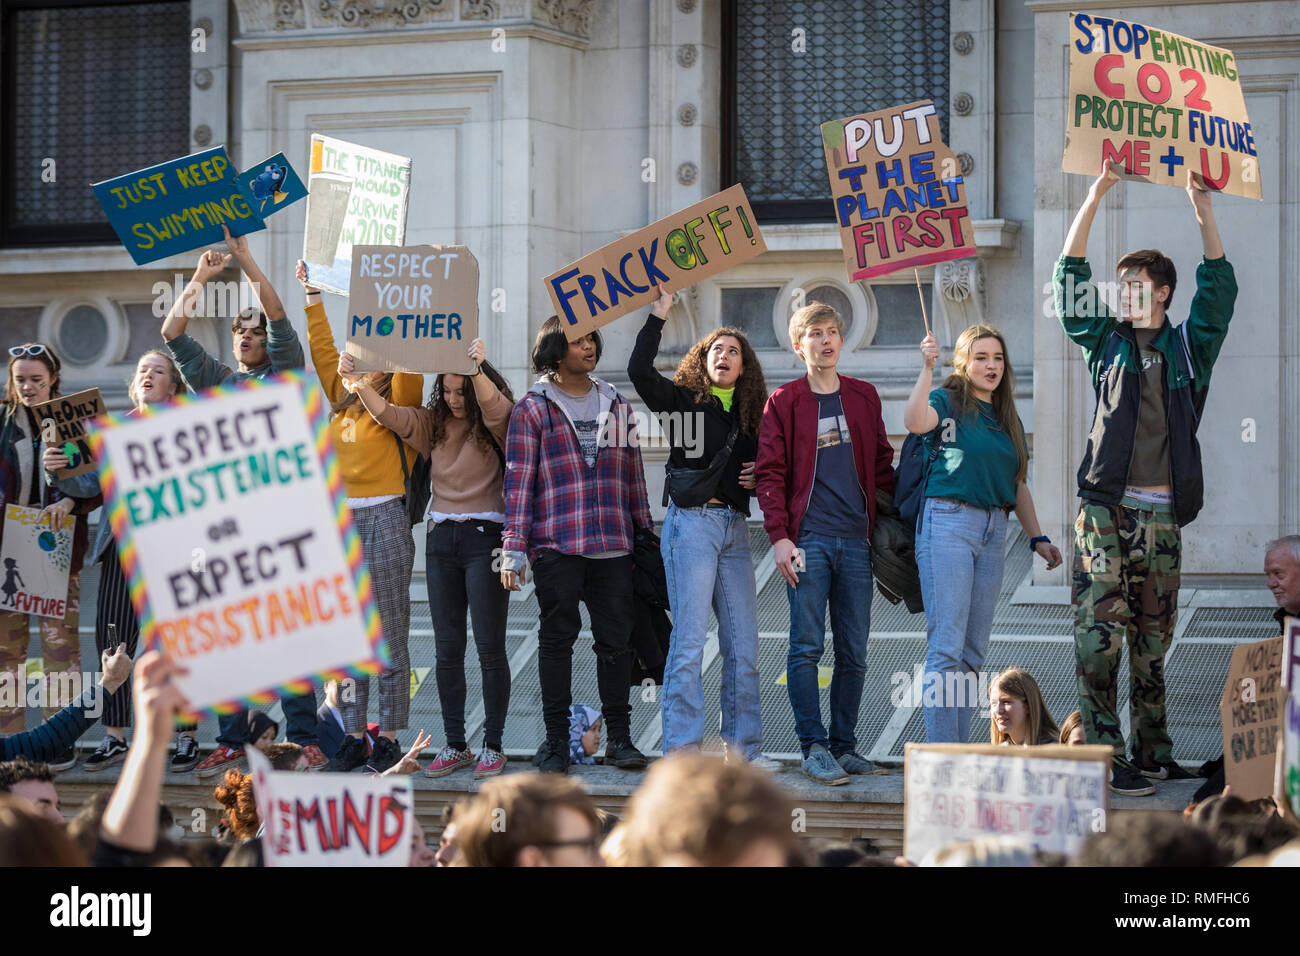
{"points": [[367, 14], [571, 16], [967, 163], [479, 10], [960, 284], [963, 103], [204, 24], [264, 16], [963, 43], [203, 79], [202, 135], [687, 173], [687, 114], [686, 6], [687, 55]]}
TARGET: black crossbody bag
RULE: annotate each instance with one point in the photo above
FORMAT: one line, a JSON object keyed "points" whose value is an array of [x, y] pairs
{"points": [[692, 487]]}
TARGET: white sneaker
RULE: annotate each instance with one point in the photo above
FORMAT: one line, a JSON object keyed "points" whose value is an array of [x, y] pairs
{"points": [[764, 762]]}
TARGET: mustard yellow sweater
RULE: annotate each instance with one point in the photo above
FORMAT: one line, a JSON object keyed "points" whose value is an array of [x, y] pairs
{"points": [[367, 451]]}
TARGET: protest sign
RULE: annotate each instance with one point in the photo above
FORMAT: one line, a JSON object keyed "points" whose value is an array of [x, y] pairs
{"points": [[177, 206], [412, 308], [231, 522], [1291, 654], [272, 185], [1051, 797], [900, 199], [182, 204], [1289, 784], [700, 241], [331, 819], [1251, 712], [63, 426], [35, 560], [374, 207], [1156, 104]]}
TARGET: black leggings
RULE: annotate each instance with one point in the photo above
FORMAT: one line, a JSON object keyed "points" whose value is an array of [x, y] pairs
{"points": [[114, 607]]}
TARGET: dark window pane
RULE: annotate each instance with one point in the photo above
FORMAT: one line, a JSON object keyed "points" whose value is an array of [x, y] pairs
{"points": [[83, 333], [101, 91], [898, 312], [836, 299], [861, 56], [750, 310]]}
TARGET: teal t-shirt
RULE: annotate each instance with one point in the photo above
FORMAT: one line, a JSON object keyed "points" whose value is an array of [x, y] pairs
{"points": [[978, 463]]}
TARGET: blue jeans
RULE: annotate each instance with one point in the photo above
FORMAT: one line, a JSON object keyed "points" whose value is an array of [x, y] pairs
{"points": [[706, 558], [299, 718], [838, 572], [959, 552]]}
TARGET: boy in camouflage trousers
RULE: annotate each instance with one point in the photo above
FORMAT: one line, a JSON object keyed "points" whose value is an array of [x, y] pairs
{"points": [[1140, 480]]}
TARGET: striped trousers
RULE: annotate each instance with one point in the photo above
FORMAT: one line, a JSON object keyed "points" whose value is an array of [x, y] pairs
{"points": [[389, 550], [115, 608]]}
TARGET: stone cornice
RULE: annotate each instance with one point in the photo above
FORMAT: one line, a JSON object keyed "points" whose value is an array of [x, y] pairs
{"points": [[333, 19]]}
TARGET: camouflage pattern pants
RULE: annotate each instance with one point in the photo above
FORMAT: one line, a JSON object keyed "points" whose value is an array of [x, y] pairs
{"points": [[60, 651], [1126, 576]]}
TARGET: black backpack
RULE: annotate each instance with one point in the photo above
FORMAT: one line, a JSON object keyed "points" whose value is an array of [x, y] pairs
{"points": [[893, 541]]}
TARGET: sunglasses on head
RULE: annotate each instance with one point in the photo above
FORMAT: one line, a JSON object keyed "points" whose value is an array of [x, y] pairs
{"points": [[19, 351]]}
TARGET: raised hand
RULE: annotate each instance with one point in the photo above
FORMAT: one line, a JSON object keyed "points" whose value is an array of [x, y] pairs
{"points": [[661, 305], [238, 245], [929, 351], [210, 263]]}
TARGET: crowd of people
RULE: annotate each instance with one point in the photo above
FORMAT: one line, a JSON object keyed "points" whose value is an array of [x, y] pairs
{"points": [[543, 486]]}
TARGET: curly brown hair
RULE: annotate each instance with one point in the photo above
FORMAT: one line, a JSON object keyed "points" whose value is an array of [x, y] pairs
{"points": [[751, 387], [236, 795], [441, 411]]}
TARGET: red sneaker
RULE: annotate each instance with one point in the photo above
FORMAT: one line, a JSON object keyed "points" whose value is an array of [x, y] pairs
{"points": [[315, 758], [490, 763], [219, 761], [448, 760]]}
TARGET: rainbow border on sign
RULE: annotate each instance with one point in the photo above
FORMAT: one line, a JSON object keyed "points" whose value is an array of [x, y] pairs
{"points": [[318, 423]]}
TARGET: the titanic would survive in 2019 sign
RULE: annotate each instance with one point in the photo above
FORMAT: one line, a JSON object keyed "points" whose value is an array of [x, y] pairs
{"points": [[900, 200], [234, 533]]}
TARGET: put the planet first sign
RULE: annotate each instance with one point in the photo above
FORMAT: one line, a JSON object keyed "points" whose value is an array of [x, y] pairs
{"points": [[412, 308]]}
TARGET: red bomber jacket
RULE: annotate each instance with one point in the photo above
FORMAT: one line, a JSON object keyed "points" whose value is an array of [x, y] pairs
{"points": [[787, 452]]}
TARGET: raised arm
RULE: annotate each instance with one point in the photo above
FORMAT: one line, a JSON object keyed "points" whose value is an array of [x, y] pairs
{"points": [[1204, 210], [1212, 305], [267, 297], [494, 406], [1076, 240], [178, 316], [654, 388], [919, 416], [320, 337]]}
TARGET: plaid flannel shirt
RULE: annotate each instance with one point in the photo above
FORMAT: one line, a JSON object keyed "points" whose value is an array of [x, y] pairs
{"points": [[554, 500]]}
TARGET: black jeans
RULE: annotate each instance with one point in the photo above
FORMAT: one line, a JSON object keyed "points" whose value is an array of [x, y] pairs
{"points": [[459, 558], [605, 586]]}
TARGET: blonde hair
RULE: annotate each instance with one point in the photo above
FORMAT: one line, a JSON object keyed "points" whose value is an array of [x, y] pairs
{"points": [[962, 398], [1021, 685], [173, 372], [697, 808], [812, 314]]}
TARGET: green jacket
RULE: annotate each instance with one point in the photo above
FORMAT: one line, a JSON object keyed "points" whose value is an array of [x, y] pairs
{"points": [[1111, 353]]}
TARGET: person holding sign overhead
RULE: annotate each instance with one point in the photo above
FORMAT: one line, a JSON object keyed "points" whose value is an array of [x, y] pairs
{"points": [[462, 430], [1140, 478], [34, 378], [705, 541], [370, 458], [264, 343], [156, 379], [976, 443]]}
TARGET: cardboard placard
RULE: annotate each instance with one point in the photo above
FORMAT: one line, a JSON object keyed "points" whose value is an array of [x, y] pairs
{"points": [[331, 819], [34, 561], [182, 204], [700, 241], [1156, 104], [412, 308], [900, 199], [234, 533], [371, 211], [63, 426], [1053, 797], [1251, 713]]}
